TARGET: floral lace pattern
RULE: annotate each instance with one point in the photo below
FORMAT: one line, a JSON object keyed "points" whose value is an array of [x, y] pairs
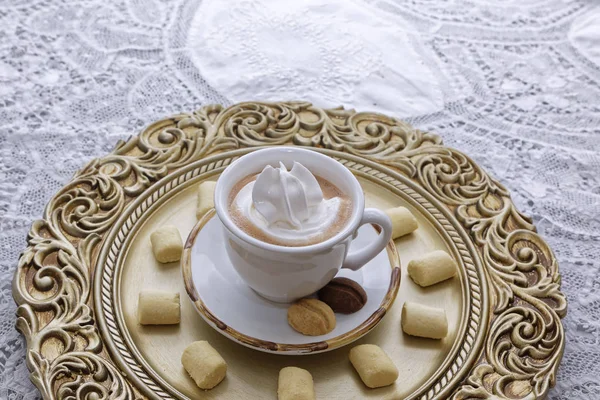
{"points": [[514, 84]]}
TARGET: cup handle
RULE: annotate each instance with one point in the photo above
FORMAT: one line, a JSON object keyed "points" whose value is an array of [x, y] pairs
{"points": [[358, 258]]}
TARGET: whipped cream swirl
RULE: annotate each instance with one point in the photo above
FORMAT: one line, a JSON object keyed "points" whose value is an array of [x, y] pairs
{"points": [[287, 205]]}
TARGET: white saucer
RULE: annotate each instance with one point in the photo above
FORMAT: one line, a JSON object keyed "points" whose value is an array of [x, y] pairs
{"points": [[227, 304]]}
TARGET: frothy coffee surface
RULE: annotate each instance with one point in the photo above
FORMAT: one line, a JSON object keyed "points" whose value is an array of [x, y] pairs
{"points": [[335, 223]]}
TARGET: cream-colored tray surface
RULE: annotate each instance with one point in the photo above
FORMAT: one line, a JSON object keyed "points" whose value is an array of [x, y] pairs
{"points": [[78, 280]]}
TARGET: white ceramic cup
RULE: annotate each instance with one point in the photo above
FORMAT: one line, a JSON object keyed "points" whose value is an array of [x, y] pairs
{"points": [[283, 273]]}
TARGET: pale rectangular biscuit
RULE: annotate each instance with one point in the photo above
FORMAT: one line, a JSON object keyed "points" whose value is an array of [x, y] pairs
{"points": [[432, 268], [204, 364], [295, 384], [424, 321], [403, 222], [205, 201], [166, 244], [374, 366], [157, 307]]}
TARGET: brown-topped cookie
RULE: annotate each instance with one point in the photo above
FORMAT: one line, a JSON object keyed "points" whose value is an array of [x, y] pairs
{"points": [[343, 295], [311, 317]]}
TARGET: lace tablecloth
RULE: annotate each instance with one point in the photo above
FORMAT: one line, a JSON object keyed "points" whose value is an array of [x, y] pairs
{"points": [[513, 83]]}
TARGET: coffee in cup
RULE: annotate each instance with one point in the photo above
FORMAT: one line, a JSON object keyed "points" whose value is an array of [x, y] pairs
{"points": [[289, 208]]}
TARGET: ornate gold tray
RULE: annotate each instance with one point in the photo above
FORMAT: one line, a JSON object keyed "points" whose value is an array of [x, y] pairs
{"points": [[78, 280]]}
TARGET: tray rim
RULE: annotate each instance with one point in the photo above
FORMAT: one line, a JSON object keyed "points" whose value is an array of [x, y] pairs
{"points": [[52, 282]]}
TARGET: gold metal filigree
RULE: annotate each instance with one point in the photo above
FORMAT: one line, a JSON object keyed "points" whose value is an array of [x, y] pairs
{"points": [[53, 282]]}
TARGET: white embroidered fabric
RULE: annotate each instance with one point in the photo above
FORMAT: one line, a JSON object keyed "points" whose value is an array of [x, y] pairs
{"points": [[513, 83]]}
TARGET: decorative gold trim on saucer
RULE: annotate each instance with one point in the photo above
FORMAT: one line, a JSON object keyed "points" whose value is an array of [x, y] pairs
{"points": [[283, 348]]}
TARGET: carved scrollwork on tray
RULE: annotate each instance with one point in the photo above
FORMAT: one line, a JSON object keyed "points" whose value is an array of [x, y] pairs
{"points": [[526, 339], [53, 281]]}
